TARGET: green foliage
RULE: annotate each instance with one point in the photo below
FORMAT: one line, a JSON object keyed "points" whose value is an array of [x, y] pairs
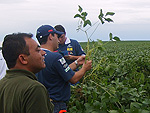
{"points": [[120, 83], [103, 18], [82, 16]]}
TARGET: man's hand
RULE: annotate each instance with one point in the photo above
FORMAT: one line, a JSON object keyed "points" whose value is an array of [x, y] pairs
{"points": [[68, 57], [81, 60], [88, 65]]}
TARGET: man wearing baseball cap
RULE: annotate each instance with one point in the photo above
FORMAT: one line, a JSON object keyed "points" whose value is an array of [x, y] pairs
{"points": [[57, 74]]}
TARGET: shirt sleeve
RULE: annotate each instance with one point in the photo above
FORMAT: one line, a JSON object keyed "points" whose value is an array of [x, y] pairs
{"points": [[36, 100], [79, 49], [63, 68]]}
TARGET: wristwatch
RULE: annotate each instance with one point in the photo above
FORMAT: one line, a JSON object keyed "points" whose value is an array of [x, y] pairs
{"points": [[76, 63]]}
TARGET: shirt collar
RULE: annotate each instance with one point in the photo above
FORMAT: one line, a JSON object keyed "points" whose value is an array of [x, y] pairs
{"points": [[20, 72], [67, 41]]}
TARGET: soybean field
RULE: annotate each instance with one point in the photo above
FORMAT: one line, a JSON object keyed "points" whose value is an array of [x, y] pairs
{"points": [[119, 81]]}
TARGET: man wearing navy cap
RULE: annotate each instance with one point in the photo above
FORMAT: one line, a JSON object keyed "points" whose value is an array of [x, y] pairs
{"points": [[57, 74]]}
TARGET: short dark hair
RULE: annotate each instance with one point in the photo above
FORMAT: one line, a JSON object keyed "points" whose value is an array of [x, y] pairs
{"points": [[14, 45], [43, 40], [60, 28]]}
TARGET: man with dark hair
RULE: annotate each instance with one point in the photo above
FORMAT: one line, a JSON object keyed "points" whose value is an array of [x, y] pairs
{"points": [[57, 74], [20, 92], [72, 47]]}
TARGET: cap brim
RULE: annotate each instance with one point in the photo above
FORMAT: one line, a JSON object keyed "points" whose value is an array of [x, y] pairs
{"points": [[58, 32]]}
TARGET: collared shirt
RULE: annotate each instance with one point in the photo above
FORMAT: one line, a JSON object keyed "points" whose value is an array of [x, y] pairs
{"points": [[20, 92], [73, 48]]}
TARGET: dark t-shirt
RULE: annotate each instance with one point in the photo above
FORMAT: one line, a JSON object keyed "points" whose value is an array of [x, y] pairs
{"points": [[55, 77]]}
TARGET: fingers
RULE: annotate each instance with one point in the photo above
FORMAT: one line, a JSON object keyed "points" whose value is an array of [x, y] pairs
{"points": [[88, 65]]}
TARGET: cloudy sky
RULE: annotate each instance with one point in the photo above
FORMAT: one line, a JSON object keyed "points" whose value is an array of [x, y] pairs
{"points": [[131, 19]]}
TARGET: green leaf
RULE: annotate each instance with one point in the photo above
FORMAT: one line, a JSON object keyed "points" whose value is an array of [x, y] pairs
{"points": [[80, 9], [101, 13], [110, 13], [96, 104], [144, 111], [107, 68], [84, 14], [87, 22], [135, 105], [99, 42], [142, 77], [111, 71], [78, 104], [108, 20], [83, 18], [113, 111], [77, 15], [84, 24], [110, 36], [101, 19], [116, 38]]}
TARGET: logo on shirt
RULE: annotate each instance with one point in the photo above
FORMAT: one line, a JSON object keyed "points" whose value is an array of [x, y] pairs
{"points": [[64, 64], [69, 49], [62, 61], [67, 69]]}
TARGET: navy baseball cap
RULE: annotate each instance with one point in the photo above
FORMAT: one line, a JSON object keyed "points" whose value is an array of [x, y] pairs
{"points": [[45, 30]]}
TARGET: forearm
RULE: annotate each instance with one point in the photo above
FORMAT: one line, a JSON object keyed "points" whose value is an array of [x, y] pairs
{"points": [[73, 66], [74, 57], [77, 76]]}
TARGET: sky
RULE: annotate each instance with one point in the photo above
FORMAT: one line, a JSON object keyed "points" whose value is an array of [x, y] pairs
{"points": [[131, 19]]}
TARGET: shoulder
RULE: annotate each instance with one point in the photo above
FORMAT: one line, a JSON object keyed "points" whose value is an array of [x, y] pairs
{"points": [[52, 55], [72, 40], [36, 86]]}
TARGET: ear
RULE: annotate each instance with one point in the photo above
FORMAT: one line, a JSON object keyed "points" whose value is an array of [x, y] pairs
{"points": [[50, 37], [23, 59]]}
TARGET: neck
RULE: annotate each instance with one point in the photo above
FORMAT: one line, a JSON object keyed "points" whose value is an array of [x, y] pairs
{"points": [[47, 47]]}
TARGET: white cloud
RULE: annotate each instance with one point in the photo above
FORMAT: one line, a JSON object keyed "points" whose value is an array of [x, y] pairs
{"points": [[27, 15], [11, 1]]}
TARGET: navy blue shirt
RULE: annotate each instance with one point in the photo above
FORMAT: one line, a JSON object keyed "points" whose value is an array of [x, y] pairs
{"points": [[73, 48], [55, 77]]}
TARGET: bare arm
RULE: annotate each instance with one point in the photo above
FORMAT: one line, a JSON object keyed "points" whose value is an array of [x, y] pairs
{"points": [[79, 62], [79, 74]]}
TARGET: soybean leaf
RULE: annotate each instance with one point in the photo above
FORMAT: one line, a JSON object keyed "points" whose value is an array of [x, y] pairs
{"points": [[101, 13], [110, 13], [87, 22], [84, 13], [108, 20], [113, 111], [83, 18], [80, 9], [99, 42], [110, 36], [116, 38], [101, 19], [77, 15]]}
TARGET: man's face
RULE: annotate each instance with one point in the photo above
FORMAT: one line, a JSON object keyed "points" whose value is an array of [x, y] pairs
{"points": [[62, 39], [55, 42], [36, 57]]}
